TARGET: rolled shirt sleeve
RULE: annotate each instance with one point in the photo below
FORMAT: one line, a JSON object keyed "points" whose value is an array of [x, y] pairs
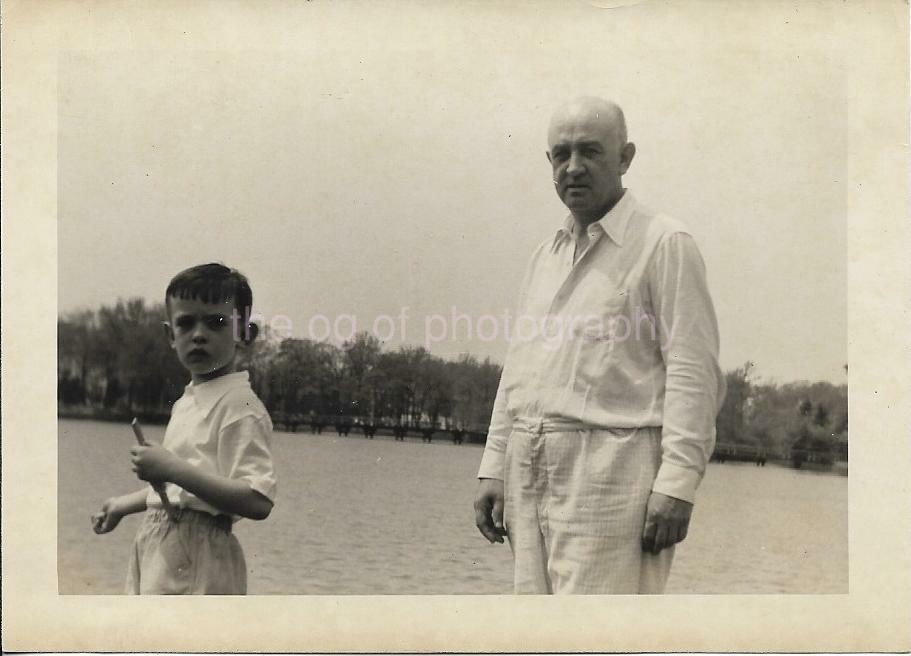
{"points": [[244, 453], [695, 387]]}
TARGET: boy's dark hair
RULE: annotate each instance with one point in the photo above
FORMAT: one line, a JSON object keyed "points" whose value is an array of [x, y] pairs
{"points": [[211, 283]]}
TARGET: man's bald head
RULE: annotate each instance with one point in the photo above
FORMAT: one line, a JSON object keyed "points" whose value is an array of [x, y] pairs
{"points": [[597, 112], [588, 150]]}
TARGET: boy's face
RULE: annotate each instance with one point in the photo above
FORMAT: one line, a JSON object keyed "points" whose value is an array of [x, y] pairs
{"points": [[205, 336]]}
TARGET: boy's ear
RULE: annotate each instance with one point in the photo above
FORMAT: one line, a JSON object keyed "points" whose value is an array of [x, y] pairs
{"points": [[252, 330], [168, 332]]}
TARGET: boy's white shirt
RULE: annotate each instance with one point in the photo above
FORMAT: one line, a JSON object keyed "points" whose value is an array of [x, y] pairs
{"points": [[220, 427]]}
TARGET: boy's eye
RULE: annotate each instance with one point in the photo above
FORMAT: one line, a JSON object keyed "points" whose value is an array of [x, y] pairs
{"points": [[185, 323], [216, 322]]}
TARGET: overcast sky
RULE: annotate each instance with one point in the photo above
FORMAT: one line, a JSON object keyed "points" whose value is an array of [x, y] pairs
{"points": [[389, 162]]}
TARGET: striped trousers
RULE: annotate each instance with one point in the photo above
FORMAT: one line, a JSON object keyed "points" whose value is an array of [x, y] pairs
{"points": [[575, 509]]}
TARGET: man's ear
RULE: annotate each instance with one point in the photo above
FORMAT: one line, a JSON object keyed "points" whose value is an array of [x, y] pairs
{"points": [[250, 333], [168, 332], [627, 153], [549, 158]]}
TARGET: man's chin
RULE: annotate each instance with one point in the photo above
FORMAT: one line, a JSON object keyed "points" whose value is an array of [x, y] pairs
{"points": [[577, 204]]}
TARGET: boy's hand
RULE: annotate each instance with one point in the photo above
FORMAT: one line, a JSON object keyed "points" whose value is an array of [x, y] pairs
{"points": [[107, 519], [154, 463]]}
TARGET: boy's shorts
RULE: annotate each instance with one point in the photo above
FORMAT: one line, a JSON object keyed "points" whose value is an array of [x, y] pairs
{"points": [[196, 555]]}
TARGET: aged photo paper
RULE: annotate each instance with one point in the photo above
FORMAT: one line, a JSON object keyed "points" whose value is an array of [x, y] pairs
{"points": [[488, 57]]}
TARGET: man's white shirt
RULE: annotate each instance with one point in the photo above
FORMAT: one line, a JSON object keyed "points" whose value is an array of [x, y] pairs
{"points": [[625, 337]]}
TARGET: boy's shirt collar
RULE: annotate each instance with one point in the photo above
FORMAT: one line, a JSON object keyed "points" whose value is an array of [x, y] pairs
{"points": [[207, 395]]}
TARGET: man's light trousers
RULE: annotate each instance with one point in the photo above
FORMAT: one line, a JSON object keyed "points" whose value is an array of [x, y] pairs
{"points": [[575, 509]]}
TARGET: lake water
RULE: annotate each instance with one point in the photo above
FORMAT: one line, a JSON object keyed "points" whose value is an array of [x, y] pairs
{"points": [[357, 516]]}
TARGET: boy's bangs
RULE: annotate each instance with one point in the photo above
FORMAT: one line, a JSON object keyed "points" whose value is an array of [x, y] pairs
{"points": [[207, 291], [212, 283]]}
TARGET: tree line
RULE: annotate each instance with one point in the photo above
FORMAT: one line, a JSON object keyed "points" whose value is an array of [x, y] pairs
{"points": [[116, 361], [789, 421]]}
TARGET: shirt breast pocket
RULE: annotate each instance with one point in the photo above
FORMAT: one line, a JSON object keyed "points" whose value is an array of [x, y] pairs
{"points": [[601, 335]]}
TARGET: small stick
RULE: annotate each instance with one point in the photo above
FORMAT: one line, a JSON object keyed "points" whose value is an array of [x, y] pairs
{"points": [[158, 487]]}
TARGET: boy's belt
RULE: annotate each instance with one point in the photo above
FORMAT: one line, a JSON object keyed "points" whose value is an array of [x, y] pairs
{"points": [[224, 522]]}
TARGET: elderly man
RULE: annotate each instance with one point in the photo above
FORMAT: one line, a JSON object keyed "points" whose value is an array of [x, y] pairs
{"points": [[605, 414]]}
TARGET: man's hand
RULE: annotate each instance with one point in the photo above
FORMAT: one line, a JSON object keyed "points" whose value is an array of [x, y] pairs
{"points": [[666, 522], [155, 463], [488, 509]]}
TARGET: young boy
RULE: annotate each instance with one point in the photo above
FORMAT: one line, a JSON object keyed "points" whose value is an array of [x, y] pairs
{"points": [[215, 463]]}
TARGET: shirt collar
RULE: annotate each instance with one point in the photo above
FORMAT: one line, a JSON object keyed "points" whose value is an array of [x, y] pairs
{"points": [[613, 223], [207, 395]]}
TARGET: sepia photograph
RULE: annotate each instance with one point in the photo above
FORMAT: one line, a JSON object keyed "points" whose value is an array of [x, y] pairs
{"points": [[384, 217], [461, 301]]}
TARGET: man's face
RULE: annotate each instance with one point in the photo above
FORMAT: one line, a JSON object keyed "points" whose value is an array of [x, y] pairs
{"points": [[588, 160], [205, 336]]}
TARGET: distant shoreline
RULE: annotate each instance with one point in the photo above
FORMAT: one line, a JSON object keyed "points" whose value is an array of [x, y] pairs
{"points": [[114, 416], [353, 430], [839, 468]]}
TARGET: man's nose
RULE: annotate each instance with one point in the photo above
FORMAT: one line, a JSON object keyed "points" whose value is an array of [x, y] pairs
{"points": [[574, 166]]}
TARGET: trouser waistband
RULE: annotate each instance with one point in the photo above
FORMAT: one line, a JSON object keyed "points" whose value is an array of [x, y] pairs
{"points": [[541, 426]]}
